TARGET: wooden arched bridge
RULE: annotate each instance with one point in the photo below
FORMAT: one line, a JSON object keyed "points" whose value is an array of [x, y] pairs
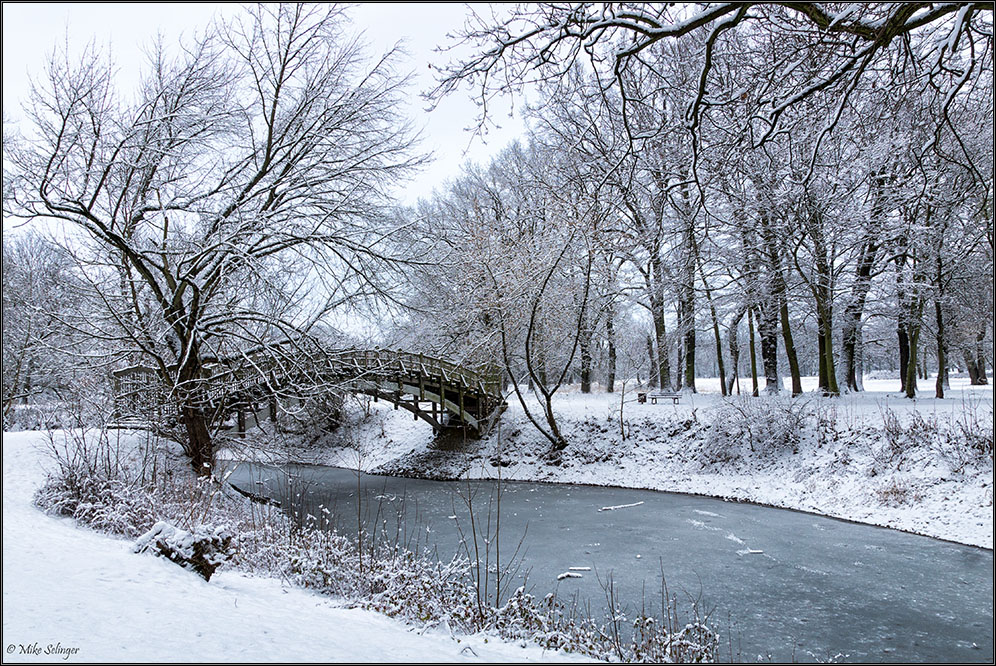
{"points": [[443, 393]]}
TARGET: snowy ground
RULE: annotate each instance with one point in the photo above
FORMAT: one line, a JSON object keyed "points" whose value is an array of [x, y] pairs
{"points": [[71, 594], [927, 489]]}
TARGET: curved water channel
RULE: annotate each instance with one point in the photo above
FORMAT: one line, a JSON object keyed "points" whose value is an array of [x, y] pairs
{"points": [[783, 585]]}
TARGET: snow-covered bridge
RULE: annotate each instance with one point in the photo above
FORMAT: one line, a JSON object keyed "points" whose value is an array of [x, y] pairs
{"points": [[443, 393]]}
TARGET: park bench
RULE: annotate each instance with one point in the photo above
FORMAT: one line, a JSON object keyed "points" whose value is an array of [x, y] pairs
{"points": [[654, 396]]}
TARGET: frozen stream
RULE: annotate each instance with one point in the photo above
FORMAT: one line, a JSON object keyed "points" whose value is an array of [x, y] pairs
{"points": [[795, 586]]}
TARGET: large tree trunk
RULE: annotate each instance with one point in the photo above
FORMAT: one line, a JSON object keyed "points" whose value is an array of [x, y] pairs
{"points": [[686, 324], [828, 371], [190, 391], [821, 285], [686, 304], [657, 306], [610, 338], [653, 378], [200, 448], [584, 348], [903, 338], [980, 357], [790, 349], [688, 339], [753, 352], [942, 368], [768, 325], [774, 313], [970, 365], [912, 366], [853, 312]]}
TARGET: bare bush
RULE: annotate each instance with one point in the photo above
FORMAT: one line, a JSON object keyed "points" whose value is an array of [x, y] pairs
{"points": [[766, 426], [897, 492], [961, 441]]}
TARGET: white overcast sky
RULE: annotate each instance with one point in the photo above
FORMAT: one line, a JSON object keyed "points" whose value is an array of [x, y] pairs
{"points": [[32, 30]]}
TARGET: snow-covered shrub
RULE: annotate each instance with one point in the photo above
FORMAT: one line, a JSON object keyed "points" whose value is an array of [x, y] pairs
{"points": [[322, 561], [108, 505], [746, 427], [202, 549], [423, 590], [960, 442], [550, 624], [657, 641]]}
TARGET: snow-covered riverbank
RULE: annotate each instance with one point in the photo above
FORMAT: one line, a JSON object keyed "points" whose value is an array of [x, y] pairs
{"points": [[883, 460], [71, 594]]}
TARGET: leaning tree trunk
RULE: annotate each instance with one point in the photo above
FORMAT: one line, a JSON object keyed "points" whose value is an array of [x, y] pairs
{"points": [[793, 360], [734, 344], [853, 312], [719, 346]]}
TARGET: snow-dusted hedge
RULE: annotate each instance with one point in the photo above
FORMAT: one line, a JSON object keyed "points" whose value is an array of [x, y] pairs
{"points": [[107, 505]]}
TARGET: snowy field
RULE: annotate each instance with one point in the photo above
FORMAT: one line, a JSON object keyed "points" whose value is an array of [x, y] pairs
{"points": [[73, 595], [929, 489]]}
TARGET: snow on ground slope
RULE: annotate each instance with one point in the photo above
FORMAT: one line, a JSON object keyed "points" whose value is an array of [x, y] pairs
{"points": [[927, 489], [73, 594]]}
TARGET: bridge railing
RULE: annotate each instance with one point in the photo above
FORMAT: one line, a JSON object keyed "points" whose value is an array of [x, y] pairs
{"points": [[260, 367], [485, 379]]}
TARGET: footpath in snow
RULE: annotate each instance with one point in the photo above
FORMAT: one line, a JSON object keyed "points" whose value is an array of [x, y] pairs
{"points": [[73, 595]]}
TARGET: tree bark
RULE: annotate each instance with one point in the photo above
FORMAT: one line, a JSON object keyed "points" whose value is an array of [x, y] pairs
{"points": [[753, 352], [854, 310], [610, 336], [980, 357], [657, 305], [654, 378], [768, 324], [942, 369], [734, 344], [719, 346], [585, 335], [790, 346], [973, 369], [904, 352]]}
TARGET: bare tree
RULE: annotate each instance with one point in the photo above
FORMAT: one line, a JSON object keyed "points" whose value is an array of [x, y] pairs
{"points": [[231, 201], [39, 294], [837, 45]]}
